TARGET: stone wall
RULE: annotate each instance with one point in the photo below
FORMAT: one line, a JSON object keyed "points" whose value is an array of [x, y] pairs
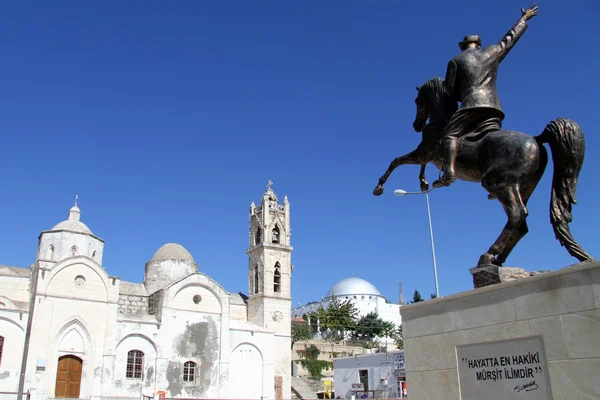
{"points": [[132, 304], [559, 310], [328, 353]]}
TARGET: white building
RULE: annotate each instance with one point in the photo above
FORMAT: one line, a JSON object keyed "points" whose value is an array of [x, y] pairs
{"points": [[90, 335], [378, 375], [363, 294]]}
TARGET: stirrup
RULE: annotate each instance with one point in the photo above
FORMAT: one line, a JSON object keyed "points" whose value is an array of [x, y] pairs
{"points": [[445, 180]]}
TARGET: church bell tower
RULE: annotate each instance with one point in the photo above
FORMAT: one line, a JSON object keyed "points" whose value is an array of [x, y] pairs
{"points": [[269, 278]]}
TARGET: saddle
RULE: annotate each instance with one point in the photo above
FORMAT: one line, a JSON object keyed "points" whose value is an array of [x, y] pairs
{"points": [[482, 129]]}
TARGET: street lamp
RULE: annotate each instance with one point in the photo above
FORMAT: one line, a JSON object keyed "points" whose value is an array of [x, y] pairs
{"points": [[400, 192]]}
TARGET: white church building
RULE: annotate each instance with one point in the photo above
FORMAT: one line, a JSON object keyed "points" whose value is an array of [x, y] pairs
{"points": [[69, 329]]}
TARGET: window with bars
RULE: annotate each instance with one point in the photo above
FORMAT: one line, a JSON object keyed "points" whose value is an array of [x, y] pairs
{"points": [[135, 364], [1, 347], [189, 371]]}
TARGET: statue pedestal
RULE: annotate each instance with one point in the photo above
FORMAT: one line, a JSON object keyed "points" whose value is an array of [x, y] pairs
{"points": [[490, 274], [541, 331]]}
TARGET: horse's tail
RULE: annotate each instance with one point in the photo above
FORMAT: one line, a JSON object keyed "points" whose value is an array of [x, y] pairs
{"points": [[567, 145]]}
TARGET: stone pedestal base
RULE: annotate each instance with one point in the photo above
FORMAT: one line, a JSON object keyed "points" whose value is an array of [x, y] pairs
{"points": [[548, 323], [486, 275]]}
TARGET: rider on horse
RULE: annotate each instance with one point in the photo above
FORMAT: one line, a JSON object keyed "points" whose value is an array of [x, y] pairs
{"points": [[471, 79]]}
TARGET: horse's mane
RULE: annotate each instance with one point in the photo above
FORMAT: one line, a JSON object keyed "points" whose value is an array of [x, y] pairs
{"points": [[441, 104], [436, 84]]}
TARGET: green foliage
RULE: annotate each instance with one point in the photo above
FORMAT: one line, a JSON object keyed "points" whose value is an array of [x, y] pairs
{"points": [[399, 338], [312, 364], [389, 329], [368, 327], [300, 332], [417, 297], [311, 352], [338, 318], [433, 295], [316, 367]]}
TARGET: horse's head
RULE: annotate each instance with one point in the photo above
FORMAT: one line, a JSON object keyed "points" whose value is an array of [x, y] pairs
{"points": [[433, 102], [422, 104]]}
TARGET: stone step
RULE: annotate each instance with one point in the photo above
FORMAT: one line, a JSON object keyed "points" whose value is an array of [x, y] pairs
{"points": [[301, 389]]}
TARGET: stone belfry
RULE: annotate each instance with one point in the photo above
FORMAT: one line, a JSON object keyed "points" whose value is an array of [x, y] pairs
{"points": [[269, 278]]}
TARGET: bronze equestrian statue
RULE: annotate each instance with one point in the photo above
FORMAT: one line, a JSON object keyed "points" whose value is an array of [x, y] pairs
{"points": [[508, 164], [471, 79]]}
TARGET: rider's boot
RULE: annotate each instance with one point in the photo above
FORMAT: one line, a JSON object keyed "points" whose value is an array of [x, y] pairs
{"points": [[450, 150]]}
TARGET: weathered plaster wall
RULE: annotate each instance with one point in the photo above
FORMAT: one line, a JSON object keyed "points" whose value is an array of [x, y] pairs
{"points": [[63, 241], [15, 288], [76, 309], [161, 273], [80, 311], [12, 328]]}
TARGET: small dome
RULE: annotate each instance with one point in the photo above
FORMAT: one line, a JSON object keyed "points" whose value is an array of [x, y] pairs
{"points": [[352, 287], [73, 224], [172, 251]]}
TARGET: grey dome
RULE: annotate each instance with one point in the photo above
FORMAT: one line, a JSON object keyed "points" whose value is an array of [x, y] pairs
{"points": [[73, 224], [353, 286], [172, 251]]}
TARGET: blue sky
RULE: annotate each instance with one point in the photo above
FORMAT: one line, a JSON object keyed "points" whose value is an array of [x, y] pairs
{"points": [[169, 118]]}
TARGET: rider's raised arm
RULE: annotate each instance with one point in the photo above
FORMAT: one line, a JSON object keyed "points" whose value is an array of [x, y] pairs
{"points": [[501, 49]]}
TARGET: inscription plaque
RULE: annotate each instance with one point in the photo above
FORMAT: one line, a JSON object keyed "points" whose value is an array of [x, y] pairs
{"points": [[505, 369]]}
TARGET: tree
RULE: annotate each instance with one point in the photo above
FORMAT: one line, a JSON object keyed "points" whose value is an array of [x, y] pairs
{"points": [[389, 329], [399, 338], [300, 332], [338, 318], [369, 327], [335, 321], [417, 297], [433, 295]]}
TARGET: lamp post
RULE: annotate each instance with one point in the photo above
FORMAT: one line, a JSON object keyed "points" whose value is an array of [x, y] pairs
{"points": [[400, 192]]}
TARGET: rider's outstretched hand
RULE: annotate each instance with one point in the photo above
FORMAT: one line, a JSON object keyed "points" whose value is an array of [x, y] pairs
{"points": [[530, 12]]}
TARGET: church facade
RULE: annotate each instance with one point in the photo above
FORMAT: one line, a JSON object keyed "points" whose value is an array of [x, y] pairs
{"points": [[69, 329]]}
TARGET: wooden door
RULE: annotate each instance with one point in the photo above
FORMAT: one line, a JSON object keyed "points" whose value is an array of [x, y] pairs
{"points": [[68, 377]]}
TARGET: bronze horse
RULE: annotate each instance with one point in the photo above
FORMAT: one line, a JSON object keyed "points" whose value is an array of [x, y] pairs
{"points": [[508, 164]]}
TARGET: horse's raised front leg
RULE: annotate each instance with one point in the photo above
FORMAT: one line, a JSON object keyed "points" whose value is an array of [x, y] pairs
{"points": [[414, 157], [515, 228], [422, 179]]}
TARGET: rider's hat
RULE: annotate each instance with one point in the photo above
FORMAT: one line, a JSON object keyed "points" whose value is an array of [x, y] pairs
{"points": [[469, 39]]}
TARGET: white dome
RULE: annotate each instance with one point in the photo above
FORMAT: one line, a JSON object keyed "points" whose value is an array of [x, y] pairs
{"points": [[353, 287], [73, 224], [172, 251]]}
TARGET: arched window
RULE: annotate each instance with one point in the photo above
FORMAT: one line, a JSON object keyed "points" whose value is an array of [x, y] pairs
{"points": [[277, 278], [74, 251], [1, 347], [50, 252], [275, 234], [256, 278], [189, 371], [135, 364], [258, 237]]}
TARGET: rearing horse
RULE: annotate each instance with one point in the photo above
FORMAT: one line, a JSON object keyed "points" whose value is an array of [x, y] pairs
{"points": [[509, 166]]}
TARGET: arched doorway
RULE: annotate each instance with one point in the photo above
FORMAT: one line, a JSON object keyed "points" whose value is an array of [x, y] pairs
{"points": [[245, 373], [68, 377]]}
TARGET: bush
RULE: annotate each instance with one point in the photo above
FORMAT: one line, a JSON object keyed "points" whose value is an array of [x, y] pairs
{"points": [[312, 364]]}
